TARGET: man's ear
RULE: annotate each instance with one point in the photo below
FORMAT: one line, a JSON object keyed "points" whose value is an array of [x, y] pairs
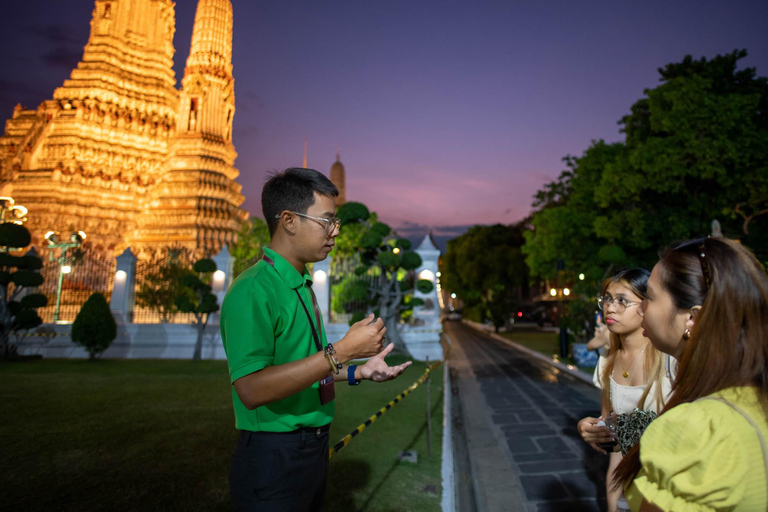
{"points": [[287, 222], [691, 320]]}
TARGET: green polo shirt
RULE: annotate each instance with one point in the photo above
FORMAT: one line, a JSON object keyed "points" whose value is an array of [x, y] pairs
{"points": [[264, 324]]}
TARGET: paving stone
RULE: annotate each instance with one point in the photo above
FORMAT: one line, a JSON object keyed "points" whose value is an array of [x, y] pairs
{"points": [[543, 487], [529, 457], [551, 466], [531, 417], [530, 432], [520, 445], [537, 407], [498, 403], [505, 419], [568, 506], [551, 444], [518, 406], [582, 484]]}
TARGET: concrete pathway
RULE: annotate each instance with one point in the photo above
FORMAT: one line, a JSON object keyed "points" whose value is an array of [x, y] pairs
{"points": [[515, 438]]}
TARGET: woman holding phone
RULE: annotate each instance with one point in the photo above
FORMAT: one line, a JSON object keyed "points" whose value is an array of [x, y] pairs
{"points": [[707, 305], [631, 373]]}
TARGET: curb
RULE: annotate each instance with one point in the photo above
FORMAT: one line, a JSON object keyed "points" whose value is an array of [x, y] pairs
{"points": [[449, 490], [571, 370]]}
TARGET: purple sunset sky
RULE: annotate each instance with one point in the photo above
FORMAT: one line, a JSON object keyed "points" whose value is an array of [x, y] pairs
{"points": [[447, 114]]}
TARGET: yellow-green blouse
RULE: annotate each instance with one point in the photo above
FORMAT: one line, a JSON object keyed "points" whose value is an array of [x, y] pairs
{"points": [[704, 456]]}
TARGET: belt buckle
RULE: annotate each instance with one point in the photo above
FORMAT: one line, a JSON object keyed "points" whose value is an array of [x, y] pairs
{"points": [[319, 431]]}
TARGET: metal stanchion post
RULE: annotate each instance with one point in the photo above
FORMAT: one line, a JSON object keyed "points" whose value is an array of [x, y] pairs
{"points": [[429, 416]]}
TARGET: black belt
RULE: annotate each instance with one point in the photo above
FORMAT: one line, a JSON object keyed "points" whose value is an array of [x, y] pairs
{"points": [[303, 431]]}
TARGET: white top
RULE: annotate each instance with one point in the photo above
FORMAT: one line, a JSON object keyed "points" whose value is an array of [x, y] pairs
{"points": [[625, 398]]}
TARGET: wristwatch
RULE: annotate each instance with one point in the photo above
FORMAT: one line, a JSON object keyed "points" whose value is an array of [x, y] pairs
{"points": [[351, 375]]}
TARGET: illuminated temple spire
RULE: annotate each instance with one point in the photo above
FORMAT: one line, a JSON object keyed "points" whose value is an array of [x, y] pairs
{"points": [[119, 152], [338, 178], [85, 158], [198, 199]]}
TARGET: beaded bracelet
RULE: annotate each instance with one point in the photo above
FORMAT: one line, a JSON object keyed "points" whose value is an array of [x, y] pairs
{"points": [[330, 355]]}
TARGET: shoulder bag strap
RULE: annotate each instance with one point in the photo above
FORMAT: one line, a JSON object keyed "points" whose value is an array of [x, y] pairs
{"points": [[754, 425]]}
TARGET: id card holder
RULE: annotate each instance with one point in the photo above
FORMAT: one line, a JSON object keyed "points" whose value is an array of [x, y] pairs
{"points": [[327, 391]]}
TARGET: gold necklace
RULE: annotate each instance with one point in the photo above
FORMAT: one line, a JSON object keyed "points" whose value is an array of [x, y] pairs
{"points": [[626, 370]]}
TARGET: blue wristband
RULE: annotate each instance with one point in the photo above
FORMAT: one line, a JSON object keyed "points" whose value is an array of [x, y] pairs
{"points": [[351, 375]]}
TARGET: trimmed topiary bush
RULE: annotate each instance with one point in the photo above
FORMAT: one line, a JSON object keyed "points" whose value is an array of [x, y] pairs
{"points": [[94, 327], [18, 274], [384, 254]]}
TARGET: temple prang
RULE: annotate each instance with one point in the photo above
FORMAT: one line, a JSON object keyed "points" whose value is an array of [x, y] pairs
{"points": [[123, 155]]}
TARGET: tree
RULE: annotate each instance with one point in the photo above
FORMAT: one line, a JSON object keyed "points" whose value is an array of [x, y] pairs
{"points": [[251, 240], [18, 274], [486, 268], [345, 257], [350, 291], [390, 259], [201, 302], [94, 327], [160, 282], [695, 149], [564, 226]]}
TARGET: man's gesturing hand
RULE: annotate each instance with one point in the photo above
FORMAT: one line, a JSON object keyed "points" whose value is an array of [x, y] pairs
{"points": [[376, 368], [364, 339]]}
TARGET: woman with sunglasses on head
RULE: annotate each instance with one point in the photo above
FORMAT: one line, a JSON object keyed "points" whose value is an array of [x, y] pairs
{"points": [[631, 373], [707, 305]]}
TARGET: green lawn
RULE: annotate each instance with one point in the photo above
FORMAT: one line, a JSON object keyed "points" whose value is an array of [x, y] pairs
{"points": [[122, 435]]}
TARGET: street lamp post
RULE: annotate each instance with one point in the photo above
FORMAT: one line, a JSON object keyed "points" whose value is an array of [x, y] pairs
{"points": [[75, 240], [560, 293]]}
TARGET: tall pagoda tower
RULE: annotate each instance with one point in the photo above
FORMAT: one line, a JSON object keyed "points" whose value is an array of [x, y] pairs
{"points": [[105, 155], [197, 201], [338, 178]]}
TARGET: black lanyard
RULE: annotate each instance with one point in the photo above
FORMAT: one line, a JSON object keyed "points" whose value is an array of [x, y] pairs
{"points": [[315, 336]]}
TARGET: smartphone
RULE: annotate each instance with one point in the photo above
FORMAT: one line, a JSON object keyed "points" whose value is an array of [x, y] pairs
{"points": [[609, 422], [598, 318]]}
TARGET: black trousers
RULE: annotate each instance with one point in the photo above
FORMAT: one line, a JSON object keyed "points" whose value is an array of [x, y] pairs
{"points": [[279, 471]]}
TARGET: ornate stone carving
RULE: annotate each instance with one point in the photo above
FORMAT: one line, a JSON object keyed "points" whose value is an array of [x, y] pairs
{"points": [[120, 150]]}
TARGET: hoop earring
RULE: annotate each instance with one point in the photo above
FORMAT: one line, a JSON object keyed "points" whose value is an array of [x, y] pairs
{"points": [[687, 335]]}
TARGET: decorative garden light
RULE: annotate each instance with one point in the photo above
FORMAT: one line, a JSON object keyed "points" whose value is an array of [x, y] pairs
{"points": [[54, 242]]}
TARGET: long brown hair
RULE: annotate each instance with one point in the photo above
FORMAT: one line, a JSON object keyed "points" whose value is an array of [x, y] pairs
{"points": [[636, 279], [730, 331]]}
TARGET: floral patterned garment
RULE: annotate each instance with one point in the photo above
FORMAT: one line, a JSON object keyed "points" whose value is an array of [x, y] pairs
{"points": [[631, 426]]}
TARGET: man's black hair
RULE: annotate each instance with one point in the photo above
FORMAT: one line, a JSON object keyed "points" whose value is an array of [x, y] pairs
{"points": [[293, 189]]}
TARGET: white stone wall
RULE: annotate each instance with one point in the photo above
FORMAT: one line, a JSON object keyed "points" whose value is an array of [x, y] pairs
{"points": [[134, 341], [177, 341]]}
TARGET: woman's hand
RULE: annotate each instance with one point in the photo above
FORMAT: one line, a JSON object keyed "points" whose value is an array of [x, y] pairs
{"points": [[592, 433], [602, 337]]}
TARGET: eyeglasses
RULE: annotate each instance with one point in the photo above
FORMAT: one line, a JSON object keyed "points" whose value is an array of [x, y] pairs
{"points": [[330, 224], [620, 303]]}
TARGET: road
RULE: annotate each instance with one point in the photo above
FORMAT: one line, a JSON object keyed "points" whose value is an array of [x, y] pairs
{"points": [[515, 440]]}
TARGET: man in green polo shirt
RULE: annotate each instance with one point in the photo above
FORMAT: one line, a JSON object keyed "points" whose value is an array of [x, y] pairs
{"points": [[281, 366]]}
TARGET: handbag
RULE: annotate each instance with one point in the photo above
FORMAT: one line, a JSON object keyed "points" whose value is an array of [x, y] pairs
{"points": [[631, 426]]}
